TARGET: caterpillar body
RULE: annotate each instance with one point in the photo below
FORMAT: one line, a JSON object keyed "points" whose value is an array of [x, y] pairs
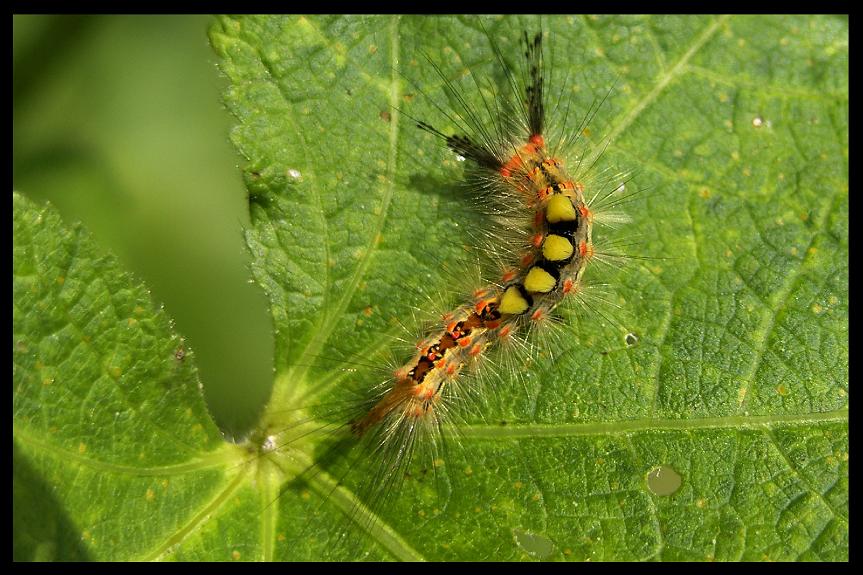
{"points": [[561, 247], [548, 252]]}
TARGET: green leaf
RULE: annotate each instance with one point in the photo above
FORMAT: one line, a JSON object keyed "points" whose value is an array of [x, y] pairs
{"points": [[736, 390], [737, 128], [114, 453]]}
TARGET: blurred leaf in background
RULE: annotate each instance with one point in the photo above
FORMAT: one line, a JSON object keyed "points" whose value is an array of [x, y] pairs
{"points": [[117, 121]]}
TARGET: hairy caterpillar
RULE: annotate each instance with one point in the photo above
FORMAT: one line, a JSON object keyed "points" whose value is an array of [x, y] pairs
{"points": [[535, 279], [534, 252]]}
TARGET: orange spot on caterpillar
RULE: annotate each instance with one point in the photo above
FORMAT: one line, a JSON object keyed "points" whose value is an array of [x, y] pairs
{"points": [[464, 342], [537, 140], [537, 315], [585, 211], [440, 364], [508, 276], [568, 185], [505, 331], [451, 327], [529, 148], [544, 193], [480, 293], [514, 163], [447, 316], [537, 240], [493, 324], [475, 350], [585, 249], [567, 285], [451, 369], [538, 219], [526, 260], [481, 305]]}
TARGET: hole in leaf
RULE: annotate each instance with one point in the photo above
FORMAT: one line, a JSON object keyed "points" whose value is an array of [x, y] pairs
{"points": [[534, 544], [663, 480]]}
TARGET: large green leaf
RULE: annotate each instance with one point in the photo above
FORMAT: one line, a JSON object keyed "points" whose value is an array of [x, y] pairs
{"points": [[737, 128]]}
